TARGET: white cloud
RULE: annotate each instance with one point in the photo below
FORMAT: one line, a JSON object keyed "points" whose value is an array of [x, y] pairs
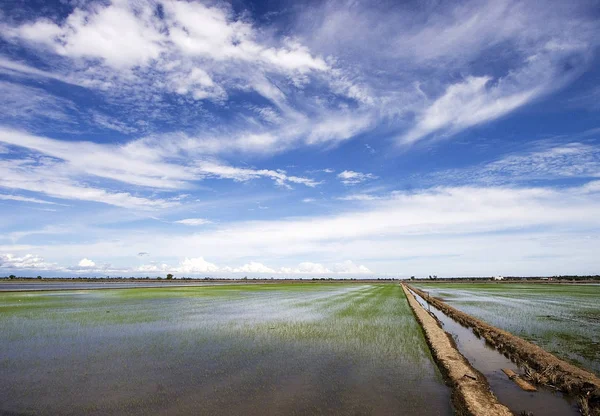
{"points": [[420, 72], [110, 123], [147, 268], [546, 161], [26, 262], [196, 265], [311, 268], [86, 263], [46, 177], [137, 163], [200, 52], [509, 53], [209, 51], [210, 32], [467, 104], [359, 197], [200, 265], [25, 199], [133, 164], [338, 127], [349, 177], [27, 105], [350, 267], [406, 224], [254, 267], [189, 49], [193, 221], [11, 67], [244, 174], [566, 160], [93, 33]]}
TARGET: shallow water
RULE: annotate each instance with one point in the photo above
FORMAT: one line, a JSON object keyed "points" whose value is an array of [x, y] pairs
{"points": [[488, 361], [273, 349], [8, 286], [563, 319]]}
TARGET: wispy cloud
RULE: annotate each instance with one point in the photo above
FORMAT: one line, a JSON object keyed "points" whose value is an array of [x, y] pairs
{"points": [[350, 177], [193, 221], [208, 110], [359, 197], [33, 175], [26, 199], [244, 174], [509, 53], [467, 104], [545, 161], [59, 164], [460, 221]]}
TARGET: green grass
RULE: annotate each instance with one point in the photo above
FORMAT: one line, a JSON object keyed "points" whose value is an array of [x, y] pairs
{"points": [[563, 319]]}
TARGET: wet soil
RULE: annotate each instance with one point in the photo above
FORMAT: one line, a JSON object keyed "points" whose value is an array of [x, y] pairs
{"points": [[471, 392], [487, 360], [574, 381]]}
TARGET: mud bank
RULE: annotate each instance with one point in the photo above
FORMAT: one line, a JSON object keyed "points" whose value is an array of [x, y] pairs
{"points": [[471, 393], [546, 368]]}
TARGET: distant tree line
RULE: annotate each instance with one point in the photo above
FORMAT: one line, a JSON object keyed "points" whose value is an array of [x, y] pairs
{"points": [[208, 278], [514, 278]]}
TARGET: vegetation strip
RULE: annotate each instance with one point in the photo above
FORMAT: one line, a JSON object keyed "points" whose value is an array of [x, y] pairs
{"points": [[541, 366], [471, 392]]}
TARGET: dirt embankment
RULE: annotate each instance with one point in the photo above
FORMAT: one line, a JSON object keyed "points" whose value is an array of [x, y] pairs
{"points": [[547, 369], [471, 393]]}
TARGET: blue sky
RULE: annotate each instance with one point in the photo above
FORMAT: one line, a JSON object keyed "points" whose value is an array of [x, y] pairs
{"points": [[299, 138]]}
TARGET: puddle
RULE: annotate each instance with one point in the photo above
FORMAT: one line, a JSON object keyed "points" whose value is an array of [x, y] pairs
{"points": [[487, 360]]}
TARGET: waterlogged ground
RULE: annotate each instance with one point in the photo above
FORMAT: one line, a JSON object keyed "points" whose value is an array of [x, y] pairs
{"points": [[243, 349], [563, 319]]}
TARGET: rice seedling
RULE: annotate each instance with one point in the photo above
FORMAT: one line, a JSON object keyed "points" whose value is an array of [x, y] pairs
{"points": [[563, 319], [251, 349]]}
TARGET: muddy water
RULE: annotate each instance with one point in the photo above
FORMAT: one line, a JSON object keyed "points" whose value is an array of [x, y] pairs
{"points": [[487, 360], [261, 353], [563, 319]]}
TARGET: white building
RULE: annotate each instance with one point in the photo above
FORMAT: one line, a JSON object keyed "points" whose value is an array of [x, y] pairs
{"points": [[497, 278]]}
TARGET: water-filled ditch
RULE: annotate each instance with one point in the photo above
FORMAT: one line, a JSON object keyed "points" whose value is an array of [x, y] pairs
{"points": [[490, 362]]}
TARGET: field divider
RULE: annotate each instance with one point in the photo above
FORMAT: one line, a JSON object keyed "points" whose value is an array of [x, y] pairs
{"points": [[546, 367], [471, 392], [523, 384]]}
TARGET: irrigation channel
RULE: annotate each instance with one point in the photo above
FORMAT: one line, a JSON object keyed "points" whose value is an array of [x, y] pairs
{"points": [[490, 362]]}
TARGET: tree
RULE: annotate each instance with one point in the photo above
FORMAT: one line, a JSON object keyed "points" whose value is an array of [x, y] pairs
{"points": [[169, 276], [412, 278], [12, 276], [39, 277]]}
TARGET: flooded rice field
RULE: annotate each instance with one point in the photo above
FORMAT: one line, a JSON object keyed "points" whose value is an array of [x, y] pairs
{"points": [[20, 286], [489, 362], [235, 349], [562, 319]]}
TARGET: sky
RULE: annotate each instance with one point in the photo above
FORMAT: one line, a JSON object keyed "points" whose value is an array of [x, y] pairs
{"points": [[299, 138]]}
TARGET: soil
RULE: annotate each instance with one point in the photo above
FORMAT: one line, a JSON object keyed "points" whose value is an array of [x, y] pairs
{"points": [[471, 393], [556, 372]]}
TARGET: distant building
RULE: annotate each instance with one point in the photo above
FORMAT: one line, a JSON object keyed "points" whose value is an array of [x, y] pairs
{"points": [[497, 278]]}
